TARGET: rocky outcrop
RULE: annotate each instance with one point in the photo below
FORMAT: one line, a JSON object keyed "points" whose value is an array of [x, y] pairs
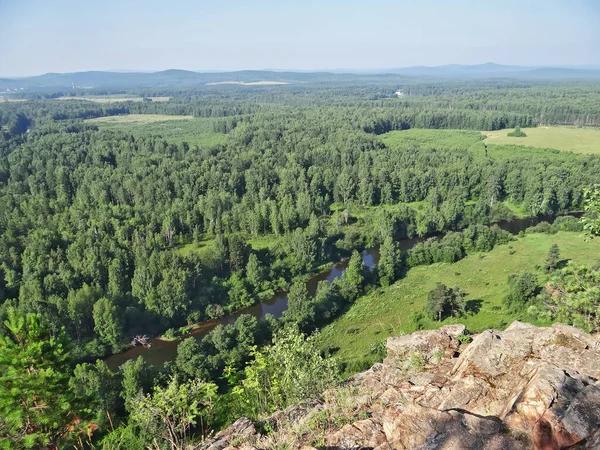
{"points": [[521, 388]]}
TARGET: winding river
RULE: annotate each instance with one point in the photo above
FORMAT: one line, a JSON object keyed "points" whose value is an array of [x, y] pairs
{"points": [[163, 351]]}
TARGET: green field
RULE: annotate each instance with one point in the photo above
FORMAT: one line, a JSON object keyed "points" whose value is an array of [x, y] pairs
{"points": [[135, 119], [248, 83], [177, 129], [578, 140], [483, 276], [434, 139], [4, 99], [540, 142]]}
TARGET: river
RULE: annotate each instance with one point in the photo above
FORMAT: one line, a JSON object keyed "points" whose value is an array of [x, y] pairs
{"points": [[163, 351]]}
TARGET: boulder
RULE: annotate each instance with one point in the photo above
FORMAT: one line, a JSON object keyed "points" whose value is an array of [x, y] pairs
{"points": [[525, 387]]}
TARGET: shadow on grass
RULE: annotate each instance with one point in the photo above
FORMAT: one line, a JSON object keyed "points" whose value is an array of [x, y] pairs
{"points": [[473, 306]]}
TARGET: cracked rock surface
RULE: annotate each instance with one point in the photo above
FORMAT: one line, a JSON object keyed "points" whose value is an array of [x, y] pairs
{"points": [[523, 388]]}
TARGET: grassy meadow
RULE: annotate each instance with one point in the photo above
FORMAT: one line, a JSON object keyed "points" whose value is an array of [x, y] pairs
{"points": [[433, 139], [177, 129], [473, 141], [541, 141], [577, 140], [386, 312], [248, 83], [4, 99]]}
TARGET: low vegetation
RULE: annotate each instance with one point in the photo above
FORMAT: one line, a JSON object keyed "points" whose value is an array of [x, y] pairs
{"points": [[517, 132], [195, 132], [354, 338], [115, 98], [564, 138]]}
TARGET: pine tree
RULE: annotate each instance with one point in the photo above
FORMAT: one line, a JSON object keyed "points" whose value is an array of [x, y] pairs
{"points": [[37, 407], [387, 262], [553, 257], [436, 301]]}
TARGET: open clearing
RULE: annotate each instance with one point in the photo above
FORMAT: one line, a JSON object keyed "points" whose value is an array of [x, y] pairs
{"points": [[114, 98], [248, 83], [137, 119], [175, 129], [483, 276], [578, 140], [541, 142], [4, 99]]}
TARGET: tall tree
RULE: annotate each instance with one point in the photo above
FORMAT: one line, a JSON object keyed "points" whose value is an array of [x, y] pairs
{"points": [[388, 262], [108, 322], [38, 409], [553, 257], [301, 307]]}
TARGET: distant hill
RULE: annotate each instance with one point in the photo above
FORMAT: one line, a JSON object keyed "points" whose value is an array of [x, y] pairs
{"points": [[186, 78], [461, 70], [171, 78]]}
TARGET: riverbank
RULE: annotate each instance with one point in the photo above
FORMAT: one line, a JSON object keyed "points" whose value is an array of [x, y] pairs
{"points": [[166, 350], [321, 272], [163, 350]]}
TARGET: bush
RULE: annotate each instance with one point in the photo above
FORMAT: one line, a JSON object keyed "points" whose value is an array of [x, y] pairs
{"points": [[522, 288], [170, 334], [542, 227], [517, 133], [290, 370], [568, 223]]}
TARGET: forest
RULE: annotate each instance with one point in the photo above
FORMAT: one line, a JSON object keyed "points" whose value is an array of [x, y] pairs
{"points": [[112, 235]]}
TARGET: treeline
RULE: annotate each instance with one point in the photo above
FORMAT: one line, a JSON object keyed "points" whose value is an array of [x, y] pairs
{"points": [[477, 104]]}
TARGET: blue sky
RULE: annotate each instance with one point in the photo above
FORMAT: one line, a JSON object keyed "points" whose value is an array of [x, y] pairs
{"points": [[67, 35]]}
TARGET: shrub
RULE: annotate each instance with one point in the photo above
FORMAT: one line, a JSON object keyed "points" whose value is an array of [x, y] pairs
{"points": [[522, 288], [517, 133]]}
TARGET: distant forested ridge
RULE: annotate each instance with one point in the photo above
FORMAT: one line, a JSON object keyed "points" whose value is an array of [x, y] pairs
{"points": [[52, 82]]}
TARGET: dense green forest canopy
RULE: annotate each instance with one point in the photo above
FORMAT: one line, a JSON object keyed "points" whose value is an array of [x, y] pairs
{"points": [[109, 234]]}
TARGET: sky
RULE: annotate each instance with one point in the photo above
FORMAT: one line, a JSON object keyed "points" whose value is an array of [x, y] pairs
{"points": [[40, 36]]}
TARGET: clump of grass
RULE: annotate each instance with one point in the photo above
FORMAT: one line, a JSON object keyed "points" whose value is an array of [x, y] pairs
{"points": [[417, 362], [340, 407]]}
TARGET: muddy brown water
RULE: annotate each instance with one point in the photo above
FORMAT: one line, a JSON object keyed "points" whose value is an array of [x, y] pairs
{"points": [[163, 351]]}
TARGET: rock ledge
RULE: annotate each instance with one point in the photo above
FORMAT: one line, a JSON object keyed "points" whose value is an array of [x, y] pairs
{"points": [[523, 388]]}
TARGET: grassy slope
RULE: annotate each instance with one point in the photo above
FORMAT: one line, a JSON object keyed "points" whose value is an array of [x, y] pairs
{"points": [[578, 140], [194, 131], [483, 276]]}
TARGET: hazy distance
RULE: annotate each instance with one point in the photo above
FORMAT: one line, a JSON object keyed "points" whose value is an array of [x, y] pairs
{"points": [[70, 36]]}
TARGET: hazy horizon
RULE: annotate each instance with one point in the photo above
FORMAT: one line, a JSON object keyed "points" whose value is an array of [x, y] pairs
{"points": [[66, 36], [350, 70]]}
